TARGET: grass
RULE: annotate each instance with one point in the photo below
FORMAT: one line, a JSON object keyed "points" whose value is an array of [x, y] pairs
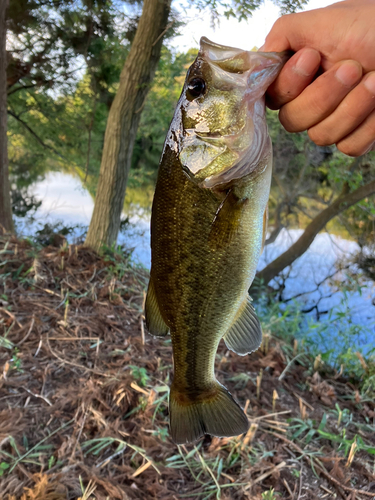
{"points": [[84, 400], [289, 324]]}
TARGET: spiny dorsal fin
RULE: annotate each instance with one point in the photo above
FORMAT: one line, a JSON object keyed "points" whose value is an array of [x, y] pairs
{"points": [[245, 334], [154, 321]]}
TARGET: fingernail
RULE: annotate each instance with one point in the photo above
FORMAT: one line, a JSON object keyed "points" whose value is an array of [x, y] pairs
{"points": [[349, 73], [307, 63], [370, 83]]}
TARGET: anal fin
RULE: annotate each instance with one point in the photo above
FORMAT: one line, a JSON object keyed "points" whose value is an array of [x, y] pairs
{"points": [[245, 334], [154, 321]]}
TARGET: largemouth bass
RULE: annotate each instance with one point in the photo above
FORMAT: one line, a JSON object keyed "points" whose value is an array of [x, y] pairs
{"points": [[208, 226]]}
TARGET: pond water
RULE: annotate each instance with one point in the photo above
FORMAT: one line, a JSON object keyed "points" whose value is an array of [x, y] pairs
{"points": [[65, 199]]}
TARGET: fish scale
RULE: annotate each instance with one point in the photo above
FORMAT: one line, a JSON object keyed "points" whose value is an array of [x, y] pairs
{"points": [[207, 231]]}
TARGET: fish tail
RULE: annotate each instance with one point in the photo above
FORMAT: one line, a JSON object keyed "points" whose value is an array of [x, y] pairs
{"points": [[213, 412]]}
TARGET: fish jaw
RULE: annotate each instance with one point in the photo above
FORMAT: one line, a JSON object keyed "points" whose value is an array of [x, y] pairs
{"points": [[222, 135]]}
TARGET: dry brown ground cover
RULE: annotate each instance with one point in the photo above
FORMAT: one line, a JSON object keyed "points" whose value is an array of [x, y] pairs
{"points": [[83, 399]]}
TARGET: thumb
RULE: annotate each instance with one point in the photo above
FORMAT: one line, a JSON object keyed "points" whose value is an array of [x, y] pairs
{"points": [[295, 31], [277, 39]]}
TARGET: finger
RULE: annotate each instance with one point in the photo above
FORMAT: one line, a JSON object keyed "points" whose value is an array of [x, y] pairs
{"points": [[286, 34], [350, 113], [321, 97], [297, 73], [302, 29], [361, 140]]}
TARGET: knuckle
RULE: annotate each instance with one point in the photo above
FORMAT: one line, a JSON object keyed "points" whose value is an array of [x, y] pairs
{"points": [[349, 149], [320, 137], [277, 25], [284, 20], [286, 123]]}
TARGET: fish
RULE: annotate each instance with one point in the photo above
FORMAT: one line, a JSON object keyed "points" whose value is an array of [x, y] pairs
{"points": [[208, 226]]}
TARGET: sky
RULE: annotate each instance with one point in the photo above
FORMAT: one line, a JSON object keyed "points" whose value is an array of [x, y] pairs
{"points": [[244, 35]]}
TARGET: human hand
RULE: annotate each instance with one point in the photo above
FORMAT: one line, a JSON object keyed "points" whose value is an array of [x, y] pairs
{"points": [[338, 106]]}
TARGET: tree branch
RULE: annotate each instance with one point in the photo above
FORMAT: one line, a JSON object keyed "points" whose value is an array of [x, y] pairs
{"points": [[344, 201], [278, 225], [21, 87], [34, 134]]}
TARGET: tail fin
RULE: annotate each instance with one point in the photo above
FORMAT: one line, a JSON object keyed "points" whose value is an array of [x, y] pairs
{"points": [[214, 412]]}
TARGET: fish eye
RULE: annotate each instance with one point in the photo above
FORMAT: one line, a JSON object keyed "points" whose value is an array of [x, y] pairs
{"points": [[196, 87]]}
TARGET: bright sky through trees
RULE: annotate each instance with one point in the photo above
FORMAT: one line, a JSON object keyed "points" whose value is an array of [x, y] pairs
{"points": [[244, 35]]}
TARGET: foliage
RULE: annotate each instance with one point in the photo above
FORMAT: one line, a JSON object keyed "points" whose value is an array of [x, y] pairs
{"points": [[159, 108], [306, 180], [321, 338], [50, 40], [243, 9], [56, 119]]}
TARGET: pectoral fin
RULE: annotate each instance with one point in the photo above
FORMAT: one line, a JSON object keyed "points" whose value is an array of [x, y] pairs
{"points": [[154, 321], [226, 222], [245, 334], [265, 224]]}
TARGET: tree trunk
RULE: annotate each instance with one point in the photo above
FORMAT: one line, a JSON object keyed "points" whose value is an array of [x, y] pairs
{"points": [[123, 121], [344, 201], [5, 204]]}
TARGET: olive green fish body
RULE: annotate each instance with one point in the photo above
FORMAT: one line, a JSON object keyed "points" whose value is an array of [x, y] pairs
{"points": [[206, 239]]}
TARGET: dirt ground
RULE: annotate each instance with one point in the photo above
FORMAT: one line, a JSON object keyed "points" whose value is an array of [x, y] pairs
{"points": [[84, 399]]}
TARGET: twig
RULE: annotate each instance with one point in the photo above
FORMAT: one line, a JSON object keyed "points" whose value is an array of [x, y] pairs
{"points": [[304, 402], [265, 475], [169, 25], [65, 339], [142, 331], [288, 488], [19, 459], [35, 134], [272, 415], [322, 470], [77, 365], [105, 462], [300, 483], [290, 364], [12, 316], [79, 434], [39, 347], [37, 395], [141, 469], [27, 334]]}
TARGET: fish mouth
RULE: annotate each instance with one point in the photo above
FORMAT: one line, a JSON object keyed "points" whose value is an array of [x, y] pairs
{"points": [[209, 135], [238, 61], [220, 134]]}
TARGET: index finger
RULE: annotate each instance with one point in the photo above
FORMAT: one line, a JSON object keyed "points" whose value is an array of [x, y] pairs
{"points": [[295, 76]]}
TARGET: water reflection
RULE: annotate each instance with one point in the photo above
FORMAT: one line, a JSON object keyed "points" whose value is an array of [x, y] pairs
{"points": [[64, 199], [315, 278]]}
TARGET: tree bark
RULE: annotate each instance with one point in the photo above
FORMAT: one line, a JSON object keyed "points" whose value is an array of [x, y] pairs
{"points": [[123, 121], [344, 201], [6, 220]]}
